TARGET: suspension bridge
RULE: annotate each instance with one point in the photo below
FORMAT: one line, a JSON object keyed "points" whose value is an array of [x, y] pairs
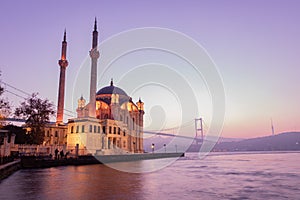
{"points": [[199, 128]]}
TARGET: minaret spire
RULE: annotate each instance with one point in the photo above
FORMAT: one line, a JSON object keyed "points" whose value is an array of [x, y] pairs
{"points": [[94, 54], [64, 47], [95, 35], [65, 36], [95, 24], [63, 63]]}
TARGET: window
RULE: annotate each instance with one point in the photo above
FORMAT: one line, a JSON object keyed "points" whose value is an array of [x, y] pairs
{"points": [[133, 124], [124, 133], [115, 130], [98, 129], [103, 129], [91, 128], [109, 131], [82, 128], [72, 129], [77, 129], [56, 134], [121, 118], [95, 129], [48, 133], [119, 131]]}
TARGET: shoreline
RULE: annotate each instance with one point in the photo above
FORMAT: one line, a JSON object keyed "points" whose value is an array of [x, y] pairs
{"points": [[29, 162], [32, 162]]}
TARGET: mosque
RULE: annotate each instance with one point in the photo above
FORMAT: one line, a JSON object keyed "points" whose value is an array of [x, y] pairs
{"points": [[110, 123]]}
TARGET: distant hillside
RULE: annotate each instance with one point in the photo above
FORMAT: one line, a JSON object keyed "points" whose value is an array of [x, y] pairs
{"points": [[289, 141]]}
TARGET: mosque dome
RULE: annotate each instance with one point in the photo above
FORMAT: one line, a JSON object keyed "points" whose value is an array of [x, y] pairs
{"points": [[104, 94], [111, 90]]}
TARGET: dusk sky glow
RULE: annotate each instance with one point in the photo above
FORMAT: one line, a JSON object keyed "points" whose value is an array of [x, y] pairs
{"points": [[255, 45]]}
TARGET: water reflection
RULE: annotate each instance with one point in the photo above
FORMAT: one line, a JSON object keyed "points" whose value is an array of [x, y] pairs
{"points": [[96, 182], [78, 182]]}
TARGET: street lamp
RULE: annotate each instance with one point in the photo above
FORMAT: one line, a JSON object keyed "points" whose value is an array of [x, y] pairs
{"points": [[176, 147], [152, 147], [165, 148]]}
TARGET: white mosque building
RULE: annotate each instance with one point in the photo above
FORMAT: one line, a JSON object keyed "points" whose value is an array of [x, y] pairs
{"points": [[110, 123]]}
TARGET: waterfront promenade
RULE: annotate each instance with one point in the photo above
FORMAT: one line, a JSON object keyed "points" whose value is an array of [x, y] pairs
{"points": [[9, 168]]}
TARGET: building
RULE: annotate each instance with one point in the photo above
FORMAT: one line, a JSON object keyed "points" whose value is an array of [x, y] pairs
{"points": [[55, 134], [117, 127], [110, 123], [7, 142]]}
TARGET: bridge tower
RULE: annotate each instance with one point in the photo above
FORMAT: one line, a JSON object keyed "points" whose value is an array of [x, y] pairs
{"points": [[199, 128]]}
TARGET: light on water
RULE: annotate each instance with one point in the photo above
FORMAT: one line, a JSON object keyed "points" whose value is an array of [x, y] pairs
{"points": [[227, 176]]}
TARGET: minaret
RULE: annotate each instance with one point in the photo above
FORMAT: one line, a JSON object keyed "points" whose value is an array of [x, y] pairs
{"points": [[94, 54], [63, 63]]}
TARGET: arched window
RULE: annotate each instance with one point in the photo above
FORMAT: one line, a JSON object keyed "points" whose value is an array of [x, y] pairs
{"points": [[72, 129]]}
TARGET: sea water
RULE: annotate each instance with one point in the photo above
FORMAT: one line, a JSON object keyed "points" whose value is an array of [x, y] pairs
{"points": [[217, 176]]}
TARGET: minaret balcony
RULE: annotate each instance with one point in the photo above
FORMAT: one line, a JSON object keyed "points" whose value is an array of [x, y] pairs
{"points": [[94, 53], [63, 63]]}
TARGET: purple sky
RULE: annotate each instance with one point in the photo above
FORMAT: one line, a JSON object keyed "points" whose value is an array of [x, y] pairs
{"points": [[255, 44]]}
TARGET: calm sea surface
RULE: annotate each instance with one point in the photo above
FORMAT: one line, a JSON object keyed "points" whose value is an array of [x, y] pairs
{"points": [[237, 176]]}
